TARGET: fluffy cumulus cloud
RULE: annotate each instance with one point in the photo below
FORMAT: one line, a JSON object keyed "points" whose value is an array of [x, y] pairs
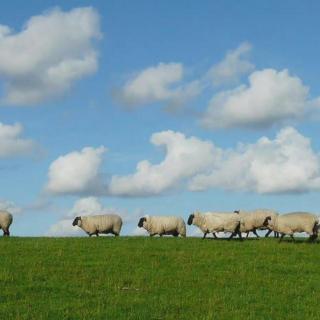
{"points": [[77, 172], [88, 206], [286, 164], [35, 69], [159, 83], [10, 207], [11, 142], [270, 97], [184, 158], [233, 66]]}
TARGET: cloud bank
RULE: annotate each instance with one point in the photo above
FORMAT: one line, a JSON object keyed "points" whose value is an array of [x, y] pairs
{"points": [[48, 55]]}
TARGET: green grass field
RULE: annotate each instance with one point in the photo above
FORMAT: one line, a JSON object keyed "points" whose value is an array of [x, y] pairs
{"points": [[167, 278]]}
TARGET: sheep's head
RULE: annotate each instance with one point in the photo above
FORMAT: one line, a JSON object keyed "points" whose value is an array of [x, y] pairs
{"points": [[141, 221], [190, 219], [266, 222], [236, 211], [77, 221]]}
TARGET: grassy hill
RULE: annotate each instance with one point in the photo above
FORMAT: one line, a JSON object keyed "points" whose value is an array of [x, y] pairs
{"points": [[167, 278]]}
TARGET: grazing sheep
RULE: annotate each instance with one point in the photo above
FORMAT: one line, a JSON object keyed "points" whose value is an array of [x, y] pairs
{"points": [[106, 223], [212, 222], [5, 222], [251, 221], [290, 223], [163, 225]]}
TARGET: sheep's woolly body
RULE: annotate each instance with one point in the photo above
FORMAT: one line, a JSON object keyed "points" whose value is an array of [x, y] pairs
{"points": [[5, 222], [253, 220], [290, 223], [108, 223], [212, 222], [165, 225]]}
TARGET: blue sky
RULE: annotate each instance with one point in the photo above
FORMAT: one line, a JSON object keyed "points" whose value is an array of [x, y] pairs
{"points": [[227, 92]]}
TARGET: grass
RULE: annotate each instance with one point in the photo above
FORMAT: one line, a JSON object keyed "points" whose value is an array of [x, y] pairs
{"points": [[167, 278]]}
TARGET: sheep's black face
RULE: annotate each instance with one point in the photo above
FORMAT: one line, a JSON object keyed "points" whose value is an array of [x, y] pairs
{"points": [[190, 220], [75, 221], [236, 211], [141, 221], [266, 221]]}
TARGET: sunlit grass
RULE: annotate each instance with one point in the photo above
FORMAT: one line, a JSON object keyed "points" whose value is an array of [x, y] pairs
{"points": [[153, 278]]}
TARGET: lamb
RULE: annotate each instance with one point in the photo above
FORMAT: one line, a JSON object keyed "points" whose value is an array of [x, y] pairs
{"points": [[212, 222], [106, 223], [251, 221], [163, 225], [290, 223], [5, 222]]}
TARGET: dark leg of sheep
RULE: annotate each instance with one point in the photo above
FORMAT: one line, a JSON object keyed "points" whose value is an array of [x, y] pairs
{"points": [[313, 237], [291, 235], [232, 235], [204, 235], [255, 232], [240, 236], [267, 234], [282, 235], [215, 236], [6, 233], [247, 234]]}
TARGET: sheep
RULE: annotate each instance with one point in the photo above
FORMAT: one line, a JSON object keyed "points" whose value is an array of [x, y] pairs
{"points": [[212, 222], [288, 224], [251, 221], [106, 223], [5, 222], [163, 225]]}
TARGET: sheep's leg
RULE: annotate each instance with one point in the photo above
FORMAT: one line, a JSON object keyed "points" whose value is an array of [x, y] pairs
{"points": [[313, 237], [240, 236], [276, 234], [215, 236], [267, 234], [255, 232], [232, 235], [97, 234], [204, 235], [6, 233], [282, 235], [291, 235]]}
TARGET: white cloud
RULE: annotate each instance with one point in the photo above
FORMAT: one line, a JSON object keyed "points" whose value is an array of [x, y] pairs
{"points": [[233, 66], [156, 84], [285, 164], [271, 97], [10, 207], [184, 158], [77, 172], [48, 55], [11, 142]]}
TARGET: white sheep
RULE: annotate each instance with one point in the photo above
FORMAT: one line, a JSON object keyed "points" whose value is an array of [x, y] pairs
{"points": [[106, 223], [251, 221], [212, 222], [163, 225], [5, 222], [290, 223]]}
